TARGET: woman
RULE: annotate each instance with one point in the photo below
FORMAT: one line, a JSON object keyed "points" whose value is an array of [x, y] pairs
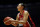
{"points": [[22, 17]]}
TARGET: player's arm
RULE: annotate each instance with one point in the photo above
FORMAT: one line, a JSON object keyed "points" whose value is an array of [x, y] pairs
{"points": [[25, 18]]}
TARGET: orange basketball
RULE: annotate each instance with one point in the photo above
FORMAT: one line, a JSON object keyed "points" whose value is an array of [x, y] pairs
{"points": [[7, 21]]}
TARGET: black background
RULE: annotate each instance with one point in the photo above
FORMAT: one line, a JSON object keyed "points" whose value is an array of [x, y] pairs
{"points": [[8, 8]]}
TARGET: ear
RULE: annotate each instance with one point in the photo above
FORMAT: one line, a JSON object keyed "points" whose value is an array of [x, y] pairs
{"points": [[22, 6]]}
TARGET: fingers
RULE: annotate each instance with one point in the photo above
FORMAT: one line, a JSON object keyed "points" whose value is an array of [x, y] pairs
{"points": [[8, 20], [14, 23]]}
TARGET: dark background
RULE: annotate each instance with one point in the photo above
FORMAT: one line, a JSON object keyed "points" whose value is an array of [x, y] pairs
{"points": [[8, 8]]}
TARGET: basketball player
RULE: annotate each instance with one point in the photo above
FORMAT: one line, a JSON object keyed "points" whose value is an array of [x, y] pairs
{"points": [[21, 19], [22, 16]]}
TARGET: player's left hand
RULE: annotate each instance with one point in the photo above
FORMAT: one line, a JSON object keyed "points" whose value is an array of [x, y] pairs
{"points": [[14, 22]]}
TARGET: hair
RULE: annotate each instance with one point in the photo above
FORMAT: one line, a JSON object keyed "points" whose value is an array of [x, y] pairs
{"points": [[22, 4]]}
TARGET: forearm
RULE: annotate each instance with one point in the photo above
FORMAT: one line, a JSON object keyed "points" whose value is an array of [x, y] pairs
{"points": [[17, 22], [21, 22]]}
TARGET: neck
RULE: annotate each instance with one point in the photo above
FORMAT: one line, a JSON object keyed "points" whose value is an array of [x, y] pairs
{"points": [[21, 11]]}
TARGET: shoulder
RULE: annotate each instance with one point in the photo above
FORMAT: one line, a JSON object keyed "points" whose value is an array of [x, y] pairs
{"points": [[26, 12]]}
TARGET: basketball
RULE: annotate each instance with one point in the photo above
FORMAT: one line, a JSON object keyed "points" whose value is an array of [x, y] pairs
{"points": [[7, 20]]}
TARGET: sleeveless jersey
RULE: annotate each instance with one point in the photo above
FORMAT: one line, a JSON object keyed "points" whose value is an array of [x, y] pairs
{"points": [[21, 18]]}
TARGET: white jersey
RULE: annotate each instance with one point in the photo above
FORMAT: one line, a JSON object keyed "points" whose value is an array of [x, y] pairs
{"points": [[25, 12]]}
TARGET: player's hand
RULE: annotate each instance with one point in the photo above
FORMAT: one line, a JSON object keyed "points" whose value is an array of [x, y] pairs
{"points": [[14, 22], [7, 20]]}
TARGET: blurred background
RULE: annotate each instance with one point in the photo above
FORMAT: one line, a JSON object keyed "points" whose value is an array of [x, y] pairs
{"points": [[8, 8]]}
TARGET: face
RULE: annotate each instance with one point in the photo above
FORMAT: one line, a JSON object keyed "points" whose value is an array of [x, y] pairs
{"points": [[20, 7]]}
